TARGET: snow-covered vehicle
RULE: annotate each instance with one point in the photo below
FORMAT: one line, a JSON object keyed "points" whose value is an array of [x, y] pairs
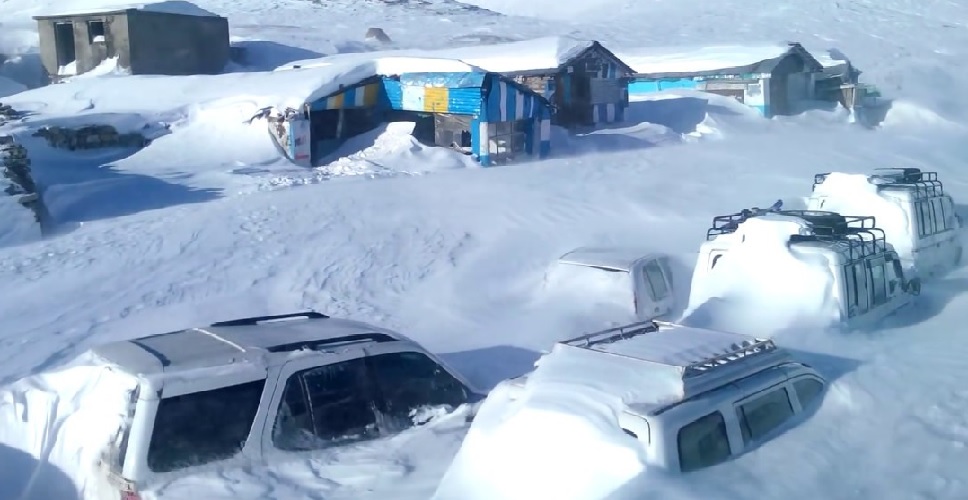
{"points": [[917, 216], [634, 279], [601, 408], [264, 388], [825, 256]]}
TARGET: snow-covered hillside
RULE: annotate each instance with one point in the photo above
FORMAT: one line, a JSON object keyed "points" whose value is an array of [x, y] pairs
{"points": [[210, 222]]}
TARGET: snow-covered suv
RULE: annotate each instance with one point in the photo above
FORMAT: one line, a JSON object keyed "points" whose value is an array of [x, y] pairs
{"points": [[601, 408], [260, 386]]}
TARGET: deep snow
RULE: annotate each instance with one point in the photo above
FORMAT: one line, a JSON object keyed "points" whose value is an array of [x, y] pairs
{"points": [[209, 223]]}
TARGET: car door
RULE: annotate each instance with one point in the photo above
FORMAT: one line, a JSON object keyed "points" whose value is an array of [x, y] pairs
{"points": [[654, 295], [320, 401]]}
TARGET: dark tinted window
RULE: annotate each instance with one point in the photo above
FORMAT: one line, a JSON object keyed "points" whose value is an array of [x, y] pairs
{"points": [[762, 415], [703, 443], [408, 381], [325, 406], [807, 390], [656, 279], [194, 429]]}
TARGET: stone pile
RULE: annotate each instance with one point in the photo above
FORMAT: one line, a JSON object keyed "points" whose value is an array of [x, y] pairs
{"points": [[8, 114], [90, 137], [15, 170]]}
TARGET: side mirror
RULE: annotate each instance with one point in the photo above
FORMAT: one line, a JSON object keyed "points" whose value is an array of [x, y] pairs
{"points": [[914, 286]]}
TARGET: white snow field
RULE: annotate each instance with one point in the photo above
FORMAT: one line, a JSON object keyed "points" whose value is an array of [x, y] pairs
{"points": [[210, 222]]}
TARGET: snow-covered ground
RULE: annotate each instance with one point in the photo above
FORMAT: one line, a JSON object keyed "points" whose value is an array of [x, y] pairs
{"points": [[209, 222]]}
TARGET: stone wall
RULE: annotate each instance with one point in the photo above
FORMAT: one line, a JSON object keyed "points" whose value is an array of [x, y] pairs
{"points": [[15, 170], [90, 137]]}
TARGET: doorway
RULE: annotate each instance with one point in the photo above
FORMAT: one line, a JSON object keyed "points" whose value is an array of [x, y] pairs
{"points": [[64, 43]]}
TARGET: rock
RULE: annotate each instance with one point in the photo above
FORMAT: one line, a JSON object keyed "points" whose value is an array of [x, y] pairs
{"points": [[377, 34], [90, 137], [15, 167]]}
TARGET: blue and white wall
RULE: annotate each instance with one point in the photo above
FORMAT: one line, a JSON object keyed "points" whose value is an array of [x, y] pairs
{"points": [[756, 94], [507, 102]]}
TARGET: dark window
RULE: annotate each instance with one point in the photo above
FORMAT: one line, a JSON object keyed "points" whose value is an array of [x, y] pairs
{"points": [[703, 443], [764, 414], [656, 280], [850, 284], [878, 284], [64, 41], [202, 427], [940, 220], [325, 406], [807, 390], [409, 381], [95, 29], [715, 261]]}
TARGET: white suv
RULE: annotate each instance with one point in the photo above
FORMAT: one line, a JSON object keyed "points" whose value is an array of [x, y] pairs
{"points": [[649, 394], [272, 384]]}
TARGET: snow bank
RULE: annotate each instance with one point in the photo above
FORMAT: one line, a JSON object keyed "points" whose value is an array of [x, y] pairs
{"points": [[659, 60], [559, 437], [66, 417], [852, 194], [526, 55], [761, 286], [391, 149], [99, 7], [17, 223]]}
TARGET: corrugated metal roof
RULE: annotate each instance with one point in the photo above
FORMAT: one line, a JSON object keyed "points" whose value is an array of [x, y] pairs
{"points": [[448, 80]]}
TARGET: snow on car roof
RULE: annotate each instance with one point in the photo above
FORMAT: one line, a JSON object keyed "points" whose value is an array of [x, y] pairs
{"points": [[617, 259], [179, 7], [654, 364], [224, 345]]}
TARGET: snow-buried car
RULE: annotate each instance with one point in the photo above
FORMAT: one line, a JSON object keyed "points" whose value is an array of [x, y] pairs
{"points": [[601, 408], [253, 389], [832, 268], [912, 208]]}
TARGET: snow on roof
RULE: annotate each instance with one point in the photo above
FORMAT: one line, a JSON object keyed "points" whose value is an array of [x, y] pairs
{"points": [[618, 259], [546, 53], [221, 345], [854, 194], [663, 60], [656, 365], [280, 89], [165, 7]]}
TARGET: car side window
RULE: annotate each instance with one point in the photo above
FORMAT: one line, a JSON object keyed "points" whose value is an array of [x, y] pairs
{"points": [[203, 427], [325, 406], [762, 415], [408, 381], [703, 443], [807, 390], [878, 284], [656, 279], [940, 220], [850, 284]]}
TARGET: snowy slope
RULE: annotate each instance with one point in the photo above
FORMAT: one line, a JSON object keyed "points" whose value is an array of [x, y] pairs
{"points": [[458, 259]]}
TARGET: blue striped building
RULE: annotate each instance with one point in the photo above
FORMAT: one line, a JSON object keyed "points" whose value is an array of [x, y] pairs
{"points": [[486, 115], [774, 86]]}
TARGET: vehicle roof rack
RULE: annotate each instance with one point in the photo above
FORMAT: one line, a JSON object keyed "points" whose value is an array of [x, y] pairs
{"points": [[315, 345], [856, 236], [921, 184], [733, 360], [255, 320], [724, 224]]}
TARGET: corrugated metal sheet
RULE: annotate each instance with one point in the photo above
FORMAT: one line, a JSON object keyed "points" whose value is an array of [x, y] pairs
{"points": [[360, 96], [462, 101], [448, 80]]}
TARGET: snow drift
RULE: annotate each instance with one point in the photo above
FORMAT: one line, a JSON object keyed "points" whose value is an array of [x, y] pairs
{"points": [[66, 418]]}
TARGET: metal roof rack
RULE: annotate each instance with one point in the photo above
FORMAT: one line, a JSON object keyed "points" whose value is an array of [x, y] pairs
{"points": [[255, 320], [921, 184], [856, 236], [726, 362], [724, 224]]}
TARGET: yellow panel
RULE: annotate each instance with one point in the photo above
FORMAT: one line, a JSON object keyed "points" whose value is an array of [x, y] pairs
{"points": [[335, 102], [369, 94], [435, 99]]}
